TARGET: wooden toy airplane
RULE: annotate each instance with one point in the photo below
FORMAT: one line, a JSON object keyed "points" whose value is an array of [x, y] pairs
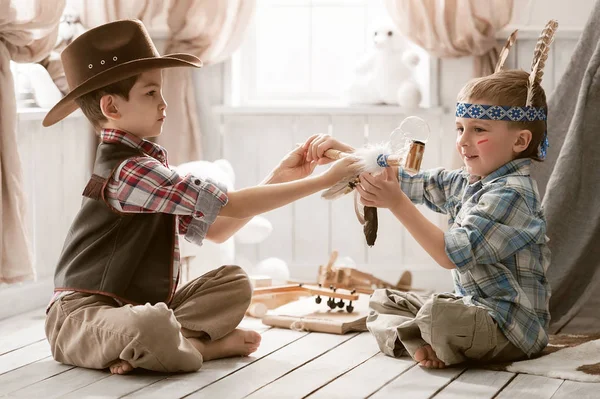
{"points": [[350, 278], [271, 297]]}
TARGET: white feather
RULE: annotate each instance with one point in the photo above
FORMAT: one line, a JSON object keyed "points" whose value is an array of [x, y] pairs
{"points": [[367, 163], [369, 154]]}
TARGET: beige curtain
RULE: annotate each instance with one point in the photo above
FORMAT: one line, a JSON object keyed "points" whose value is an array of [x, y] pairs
{"points": [[27, 34], [454, 28], [96, 12], [210, 30]]}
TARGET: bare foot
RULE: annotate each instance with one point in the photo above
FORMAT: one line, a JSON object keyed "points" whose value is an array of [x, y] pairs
{"points": [[120, 367], [237, 343], [428, 359]]}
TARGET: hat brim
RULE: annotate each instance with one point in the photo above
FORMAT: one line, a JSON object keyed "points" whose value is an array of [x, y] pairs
{"points": [[119, 72]]}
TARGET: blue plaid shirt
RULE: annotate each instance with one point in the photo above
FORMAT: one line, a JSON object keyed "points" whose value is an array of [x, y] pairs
{"points": [[497, 240]]}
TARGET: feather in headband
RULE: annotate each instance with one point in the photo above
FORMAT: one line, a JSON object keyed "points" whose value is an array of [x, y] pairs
{"points": [[540, 55]]}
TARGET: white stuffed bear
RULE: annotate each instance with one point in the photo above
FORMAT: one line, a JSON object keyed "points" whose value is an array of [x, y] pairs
{"points": [[386, 74], [200, 260]]}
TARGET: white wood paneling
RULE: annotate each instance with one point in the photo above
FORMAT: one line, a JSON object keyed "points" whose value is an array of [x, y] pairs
{"points": [[311, 216], [56, 164]]}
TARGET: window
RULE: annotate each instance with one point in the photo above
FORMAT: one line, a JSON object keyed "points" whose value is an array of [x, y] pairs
{"points": [[303, 51]]}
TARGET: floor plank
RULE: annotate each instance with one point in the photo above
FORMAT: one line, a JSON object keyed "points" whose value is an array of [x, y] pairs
{"points": [[22, 337], [23, 356], [285, 362], [317, 365], [114, 386], [61, 384], [579, 390], [419, 382], [366, 378], [17, 332], [30, 374], [525, 386], [297, 370], [179, 385], [476, 384], [21, 321]]}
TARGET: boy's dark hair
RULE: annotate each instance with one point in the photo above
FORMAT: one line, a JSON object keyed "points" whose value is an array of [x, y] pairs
{"points": [[90, 102], [510, 88]]}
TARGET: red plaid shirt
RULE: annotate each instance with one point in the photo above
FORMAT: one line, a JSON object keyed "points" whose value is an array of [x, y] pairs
{"points": [[146, 184]]}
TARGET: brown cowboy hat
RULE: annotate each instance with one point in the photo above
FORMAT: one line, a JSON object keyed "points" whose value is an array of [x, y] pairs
{"points": [[107, 54]]}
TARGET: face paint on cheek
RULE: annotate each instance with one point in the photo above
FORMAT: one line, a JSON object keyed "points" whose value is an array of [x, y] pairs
{"points": [[485, 149]]}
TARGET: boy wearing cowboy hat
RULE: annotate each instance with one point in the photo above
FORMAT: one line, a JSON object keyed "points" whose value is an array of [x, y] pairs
{"points": [[116, 302]]}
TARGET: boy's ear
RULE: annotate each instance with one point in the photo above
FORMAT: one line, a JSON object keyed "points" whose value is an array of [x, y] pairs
{"points": [[522, 140], [108, 107]]}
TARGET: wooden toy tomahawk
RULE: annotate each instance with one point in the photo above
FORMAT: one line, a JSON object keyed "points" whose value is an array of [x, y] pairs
{"points": [[403, 150]]}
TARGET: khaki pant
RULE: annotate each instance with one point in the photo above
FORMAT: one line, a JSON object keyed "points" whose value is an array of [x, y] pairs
{"points": [[403, 322], [93, 331]]}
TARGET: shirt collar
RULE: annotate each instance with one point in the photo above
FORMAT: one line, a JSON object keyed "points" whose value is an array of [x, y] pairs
{"points": [[131, 140], [517, 167]]}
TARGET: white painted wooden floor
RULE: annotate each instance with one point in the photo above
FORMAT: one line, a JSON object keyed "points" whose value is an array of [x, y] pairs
{"points": [[289, 364]]}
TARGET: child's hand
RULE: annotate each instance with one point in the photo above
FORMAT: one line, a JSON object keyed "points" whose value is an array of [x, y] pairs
{"points": [[341, 169], [382, 191], [294, 166], [317, 145]]}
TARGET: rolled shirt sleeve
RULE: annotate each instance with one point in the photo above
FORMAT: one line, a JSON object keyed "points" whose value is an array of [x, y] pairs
{"points": [[498, 226], [144, 185], [197, 228], [431, 187]]}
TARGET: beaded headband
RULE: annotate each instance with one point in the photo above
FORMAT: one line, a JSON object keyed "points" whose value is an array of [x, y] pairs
{"points": [[500, 112], [528, 113], [505, 113]]}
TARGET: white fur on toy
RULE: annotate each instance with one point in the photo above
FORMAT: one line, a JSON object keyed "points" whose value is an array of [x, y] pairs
{"points": [[275, 268], [387, 73]]}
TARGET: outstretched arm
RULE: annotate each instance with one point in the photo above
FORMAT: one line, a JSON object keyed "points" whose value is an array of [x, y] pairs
{"points": [[253, 201], [383, 191], [292, 167]]}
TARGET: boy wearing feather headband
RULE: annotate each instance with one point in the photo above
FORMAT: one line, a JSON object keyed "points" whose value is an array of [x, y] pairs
{"points": [[496, 242]]}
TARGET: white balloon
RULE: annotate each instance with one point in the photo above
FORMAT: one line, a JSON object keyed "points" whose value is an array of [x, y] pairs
{"points": [[275, 268], [255, 231]]}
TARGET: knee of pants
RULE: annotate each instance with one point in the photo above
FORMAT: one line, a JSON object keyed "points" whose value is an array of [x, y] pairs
{"points": [[243, 286], [154, 322]]}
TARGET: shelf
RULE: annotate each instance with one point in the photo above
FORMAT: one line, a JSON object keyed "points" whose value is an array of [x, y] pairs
{"points": [[38, 114], [325, 110]]}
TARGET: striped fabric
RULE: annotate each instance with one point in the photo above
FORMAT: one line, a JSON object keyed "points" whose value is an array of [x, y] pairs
{"points": [[497, 240]]}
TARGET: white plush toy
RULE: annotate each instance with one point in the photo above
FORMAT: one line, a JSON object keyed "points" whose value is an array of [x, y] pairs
{"points": [[386, 74], [212, 255]]}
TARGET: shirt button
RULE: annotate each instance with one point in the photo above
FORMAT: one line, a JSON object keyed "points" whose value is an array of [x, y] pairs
{"points": [[197, 182]]}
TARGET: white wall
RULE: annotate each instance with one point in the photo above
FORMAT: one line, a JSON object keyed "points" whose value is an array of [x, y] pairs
{"points": [[570, 14]]}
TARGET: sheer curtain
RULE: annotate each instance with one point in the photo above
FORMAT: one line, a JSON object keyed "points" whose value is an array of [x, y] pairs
{"points": [[27, 34], [212, 31]]}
